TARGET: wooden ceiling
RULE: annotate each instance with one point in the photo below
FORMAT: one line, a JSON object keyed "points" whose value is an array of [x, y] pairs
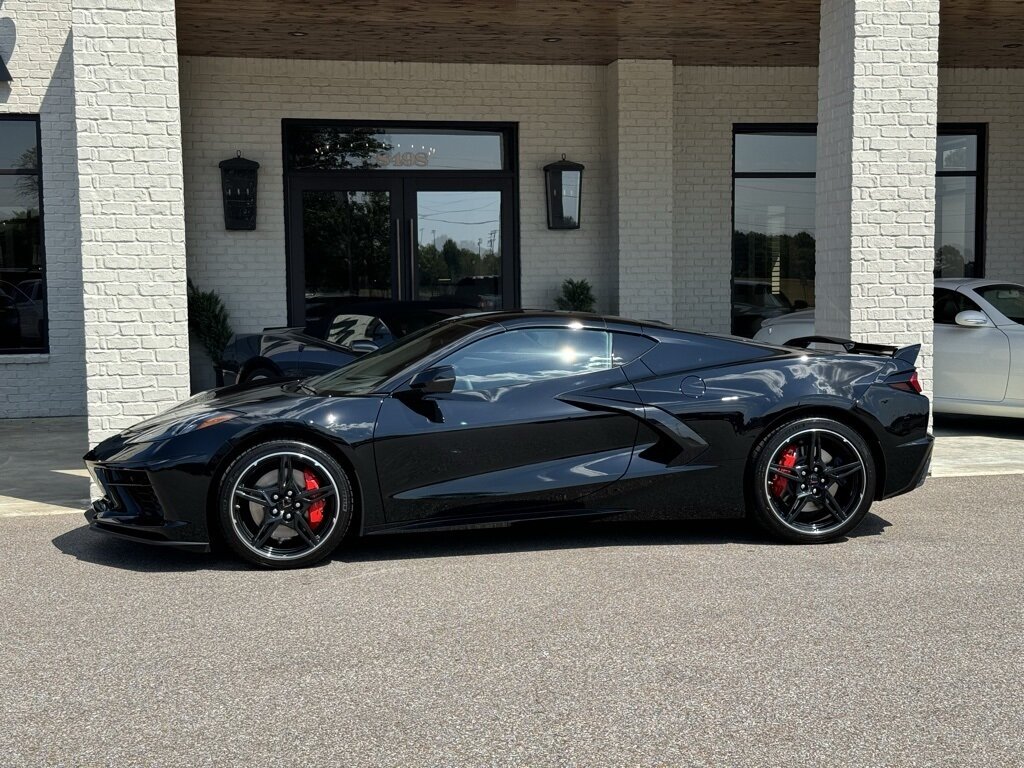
{"points": [[690, 32]]}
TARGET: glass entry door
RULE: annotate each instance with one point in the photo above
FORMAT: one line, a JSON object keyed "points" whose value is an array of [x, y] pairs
{"points": [[461, 235], [371, 239]]}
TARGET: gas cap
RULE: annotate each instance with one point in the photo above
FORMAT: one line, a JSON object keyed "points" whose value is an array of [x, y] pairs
{"points": [[692, 386]]}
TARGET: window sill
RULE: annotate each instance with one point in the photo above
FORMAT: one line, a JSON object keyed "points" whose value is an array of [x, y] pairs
{"points": [[26, 358]]}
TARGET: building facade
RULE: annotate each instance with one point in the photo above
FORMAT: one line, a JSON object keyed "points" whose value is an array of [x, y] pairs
{"points": [[738, 163]]}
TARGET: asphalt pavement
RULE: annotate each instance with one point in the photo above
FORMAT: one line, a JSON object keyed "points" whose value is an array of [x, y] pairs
{"points": [[589, 645]]}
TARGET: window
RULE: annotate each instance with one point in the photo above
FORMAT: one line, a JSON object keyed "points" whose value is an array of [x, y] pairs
{"points": [[959, 192], [529, 355], [773, 245], [1007, 298], [949, 304], [773, 223], [22, 264]]}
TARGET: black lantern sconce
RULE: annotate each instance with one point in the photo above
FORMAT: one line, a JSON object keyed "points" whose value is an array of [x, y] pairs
{"points": [[238, 185], [564, 185]]}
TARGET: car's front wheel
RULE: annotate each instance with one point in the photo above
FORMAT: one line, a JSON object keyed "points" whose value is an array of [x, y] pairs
{"points": [[813, 480], [284, 504]]}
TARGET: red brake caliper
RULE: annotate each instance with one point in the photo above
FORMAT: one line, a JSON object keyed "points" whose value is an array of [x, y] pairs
{"points": [[316, 509], [788, 461]]}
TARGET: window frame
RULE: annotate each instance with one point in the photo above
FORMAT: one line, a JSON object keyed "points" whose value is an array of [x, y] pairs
{"points": [[739, 129], [980, 176], [44, 348]]}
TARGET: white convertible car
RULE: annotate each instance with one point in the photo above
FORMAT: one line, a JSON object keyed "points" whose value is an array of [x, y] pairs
{"points": [[979, 345]]}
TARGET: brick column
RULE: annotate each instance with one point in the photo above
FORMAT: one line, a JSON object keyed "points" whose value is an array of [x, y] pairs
{"points": [[130, 189], [877, 91], [640, 139]]}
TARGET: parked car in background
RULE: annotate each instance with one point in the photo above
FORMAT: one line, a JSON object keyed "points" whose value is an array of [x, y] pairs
{"points": [[335, 335], [28, 300], [979, 345], [10, 322], [754, 301], [521, 416]]}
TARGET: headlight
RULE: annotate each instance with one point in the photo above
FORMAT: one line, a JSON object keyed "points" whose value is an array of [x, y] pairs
{"points": [[201, 421]]}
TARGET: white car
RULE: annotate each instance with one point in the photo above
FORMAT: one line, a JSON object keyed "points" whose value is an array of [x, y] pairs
{"points": [[979, 345]]}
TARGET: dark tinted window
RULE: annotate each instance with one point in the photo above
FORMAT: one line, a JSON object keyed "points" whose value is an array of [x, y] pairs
{"points": [[948, 304], [959, 188], [369, 372], [1008, 299], [339, 147], [528, 355], [626, 347], [22, 261]]}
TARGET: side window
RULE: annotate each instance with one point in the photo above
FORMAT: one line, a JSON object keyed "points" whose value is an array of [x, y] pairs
{"points": [[627, 347], [948, 304], [528, 355]]}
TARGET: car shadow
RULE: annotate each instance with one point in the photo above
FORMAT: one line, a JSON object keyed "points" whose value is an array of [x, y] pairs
{"points": [[88, 546]]}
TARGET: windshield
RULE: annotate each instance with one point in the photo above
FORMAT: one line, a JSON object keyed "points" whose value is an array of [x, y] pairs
{"points": [[367, 373], [1007, 298]]}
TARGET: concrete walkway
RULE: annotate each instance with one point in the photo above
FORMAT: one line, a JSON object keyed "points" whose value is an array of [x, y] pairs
{"points": [[41, 470]]}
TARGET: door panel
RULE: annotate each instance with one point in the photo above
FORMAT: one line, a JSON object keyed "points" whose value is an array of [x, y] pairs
{"points": [[971, 363], [519, 448]]}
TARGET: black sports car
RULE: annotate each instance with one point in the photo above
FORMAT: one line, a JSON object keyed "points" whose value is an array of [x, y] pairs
{"points": [[335, 334], [512, 416]]}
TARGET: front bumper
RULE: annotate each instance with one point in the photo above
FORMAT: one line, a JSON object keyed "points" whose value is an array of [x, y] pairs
{"points": [[152, 502]]}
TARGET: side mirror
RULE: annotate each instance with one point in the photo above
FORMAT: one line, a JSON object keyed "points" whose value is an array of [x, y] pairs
{"points": [[972, 318], [433, 381], [363, 347]]}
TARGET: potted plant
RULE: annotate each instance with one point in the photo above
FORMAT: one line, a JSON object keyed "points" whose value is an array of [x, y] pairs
{"points": [[208, 320], [576, 296]]}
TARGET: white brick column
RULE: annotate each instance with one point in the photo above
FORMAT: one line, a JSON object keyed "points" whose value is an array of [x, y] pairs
{"points": [[132, 211], [877, 92], [641, 109]]}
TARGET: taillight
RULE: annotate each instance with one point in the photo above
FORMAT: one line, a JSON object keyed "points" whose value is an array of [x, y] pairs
{"points": [[911, 384]]}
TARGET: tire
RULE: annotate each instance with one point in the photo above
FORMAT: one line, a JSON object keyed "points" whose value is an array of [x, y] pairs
{"points": [[269, 504], [259, 372], [813, 480]]}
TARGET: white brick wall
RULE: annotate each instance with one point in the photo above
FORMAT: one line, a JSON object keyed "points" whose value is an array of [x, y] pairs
{"points": [[130, 192], [237, 104], [708, 101], [877, 114], [641, 163], [39, 59]]}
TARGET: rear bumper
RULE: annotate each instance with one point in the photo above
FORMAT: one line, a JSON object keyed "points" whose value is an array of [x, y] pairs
{"points": [[907, 466]]}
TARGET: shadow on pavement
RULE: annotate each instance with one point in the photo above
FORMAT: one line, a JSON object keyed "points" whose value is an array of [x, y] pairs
{"points": [[988, 426], [112, 552]]}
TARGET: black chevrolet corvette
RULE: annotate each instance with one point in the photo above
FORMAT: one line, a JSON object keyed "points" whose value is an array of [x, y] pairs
{"points": [[512, 416]]}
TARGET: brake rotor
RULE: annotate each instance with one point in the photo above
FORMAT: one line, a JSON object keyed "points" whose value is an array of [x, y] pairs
{"points": [[283, 532]]}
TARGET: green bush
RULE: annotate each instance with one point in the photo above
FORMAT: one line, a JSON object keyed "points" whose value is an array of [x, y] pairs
{"points": [[209, 321], [577, 296]]}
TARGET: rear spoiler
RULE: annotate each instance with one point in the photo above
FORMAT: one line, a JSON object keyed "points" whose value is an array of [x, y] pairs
{"points": [[906, 354]]}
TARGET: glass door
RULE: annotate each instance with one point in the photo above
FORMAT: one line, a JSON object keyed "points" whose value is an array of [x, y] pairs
{"points": [[460, 242], [345, 242]]}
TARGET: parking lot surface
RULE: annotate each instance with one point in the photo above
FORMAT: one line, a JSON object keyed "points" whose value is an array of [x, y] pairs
{"points": [[599, 644]]}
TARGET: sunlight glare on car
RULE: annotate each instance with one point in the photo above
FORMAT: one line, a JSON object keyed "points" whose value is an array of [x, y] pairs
{"points": [[568, 354]]}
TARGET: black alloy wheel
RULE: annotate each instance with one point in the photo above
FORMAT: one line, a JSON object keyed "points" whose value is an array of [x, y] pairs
{"points": [[285, 504], [813, 480]]}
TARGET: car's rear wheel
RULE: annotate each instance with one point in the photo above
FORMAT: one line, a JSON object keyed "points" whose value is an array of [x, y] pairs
{"points": [[813, 480], [284, 504]]}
